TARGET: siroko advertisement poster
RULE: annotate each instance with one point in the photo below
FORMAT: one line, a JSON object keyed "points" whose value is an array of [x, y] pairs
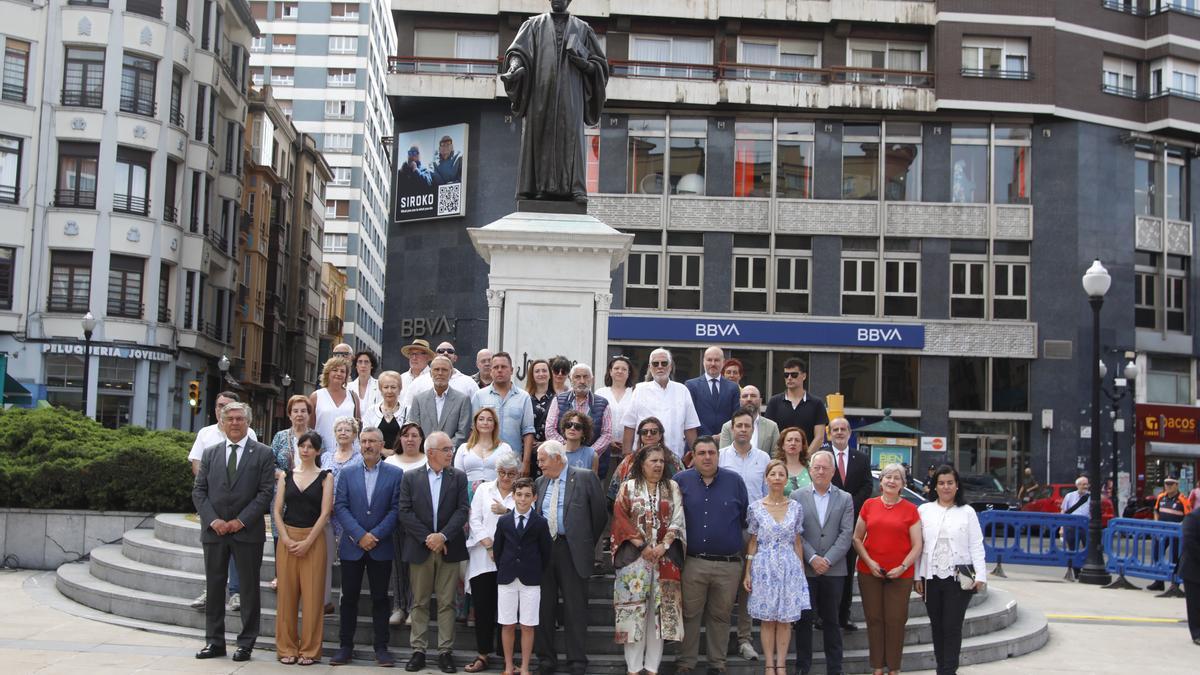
{"points": [[432, 166]]}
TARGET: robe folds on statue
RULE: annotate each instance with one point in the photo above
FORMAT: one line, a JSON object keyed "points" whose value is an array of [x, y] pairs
{"points": [[556, 99]]}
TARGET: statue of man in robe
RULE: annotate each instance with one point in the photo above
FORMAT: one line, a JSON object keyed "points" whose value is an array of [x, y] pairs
{"points": [[555, 80]]}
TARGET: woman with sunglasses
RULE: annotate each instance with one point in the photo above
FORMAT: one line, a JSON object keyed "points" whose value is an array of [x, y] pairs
{"points": [[649, 432], [560, 370], [618, 383], [492, 499], [574, 427]]}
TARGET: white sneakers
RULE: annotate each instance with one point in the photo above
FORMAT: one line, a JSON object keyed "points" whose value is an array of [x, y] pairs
{"points": [[200, 602], [235, 602], [397, 618], [747, 651]]}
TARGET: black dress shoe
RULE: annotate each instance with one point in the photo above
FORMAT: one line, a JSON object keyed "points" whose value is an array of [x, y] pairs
{"points": [[211, 652], [547, 669], [416, 662], [342, 656], [242, 654], [446, 662], [849, 626]]}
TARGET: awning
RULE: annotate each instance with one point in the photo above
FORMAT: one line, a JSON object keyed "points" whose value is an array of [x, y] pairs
{"points": [[15, 392], [1180, 450]]}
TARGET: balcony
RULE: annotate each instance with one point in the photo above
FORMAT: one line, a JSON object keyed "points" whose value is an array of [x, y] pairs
{"points": [[659, 69], [878, 76], [8, 194], [212, 330], [138, 206], [997, 74], [151, 8], [333, 326], [442, 66], [176, 118], [164, 314], [1121, 91], [75, 199], [83, 99], [68, 303], [1125, 6], [125, 308], [13, 90], [746, 71]]}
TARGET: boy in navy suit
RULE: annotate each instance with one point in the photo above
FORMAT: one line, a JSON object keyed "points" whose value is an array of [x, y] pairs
{"points": [[521, 550]]}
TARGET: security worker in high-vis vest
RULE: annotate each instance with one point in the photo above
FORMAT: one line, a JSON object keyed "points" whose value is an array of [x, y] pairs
{"points": [[1169, 507]]}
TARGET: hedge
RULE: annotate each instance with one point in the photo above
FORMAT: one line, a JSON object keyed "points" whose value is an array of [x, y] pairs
{"points": [[52, 458]]}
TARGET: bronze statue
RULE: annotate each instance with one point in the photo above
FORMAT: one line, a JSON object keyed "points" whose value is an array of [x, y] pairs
{"points": [[556, 77]]}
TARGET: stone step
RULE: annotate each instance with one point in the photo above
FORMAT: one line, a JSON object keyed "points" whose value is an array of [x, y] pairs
{"points": [[1026, 633]]}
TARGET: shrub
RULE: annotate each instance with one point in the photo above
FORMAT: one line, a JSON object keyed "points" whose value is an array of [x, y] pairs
{"points": [[52, 458]]}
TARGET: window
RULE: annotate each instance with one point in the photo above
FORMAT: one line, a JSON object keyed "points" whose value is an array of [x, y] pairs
{"points": [[794, 160], [969, 164], [177, 98], [170, 190], [8, 257], [137, 85], [283, 44], [858, 378], [1010, 290], [783, 55], [982, 384], [447, 51], [1012, 164], [1145, 181], [258, 44], [1119, 76], [132, 182], [1004, 58], [1177, 207], [642, 271], [683, 280], [16, 70], [125, 286], [344, 11], [337, 209], [899, 381], [1177, 284], [339, 142], [83, 77], [339, 109], [647, 155], [860, 161], [1168, 380], [257, 76], [341, 77], [591, 140], [900, 287], [752, 159], [287, 10], [282, 77], [1175, 76], [793, 256], [689, 140], [751, 262], [70, 281], [968, 279], [341, 176], [64, 380], [902, 162], [858, 286], [343, 44], [77, 167], [336, 243], [10, 169], [152, 8], [868, 61], [663, 50], [1145, 290]]}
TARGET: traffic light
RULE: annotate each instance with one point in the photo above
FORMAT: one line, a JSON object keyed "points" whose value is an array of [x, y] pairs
{"points": [[194, 395]]}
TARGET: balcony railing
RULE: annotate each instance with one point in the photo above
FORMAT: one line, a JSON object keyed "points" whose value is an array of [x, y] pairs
{"points": [[1171, 91], [442, 66], [900, 78], [151, 8], [1176, 6], [747, 71], [1120, 91], [83, 99], [218, 239], [131, 204], [164, 314], [659, 69], [139, 106], [8, 194], [65, 302], [176, 118], [170, 214], [78, 199], [212, 330], [1126, 6], [997, 74], [125, 308], [333, 326], [13, 91]]}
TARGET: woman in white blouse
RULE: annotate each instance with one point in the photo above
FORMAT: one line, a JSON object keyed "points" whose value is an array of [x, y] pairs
{"points": [[953, 546], [477, 456], [492, 499], [363, 384], [617, 386]]}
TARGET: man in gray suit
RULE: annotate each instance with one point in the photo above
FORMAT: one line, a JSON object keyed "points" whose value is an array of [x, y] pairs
{"points": [[766, 432], [828, 526], [232, 492], [574, 506], [442, 408]]}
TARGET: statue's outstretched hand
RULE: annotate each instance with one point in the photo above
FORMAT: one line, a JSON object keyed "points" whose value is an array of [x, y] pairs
{"points": [[579, 62]]}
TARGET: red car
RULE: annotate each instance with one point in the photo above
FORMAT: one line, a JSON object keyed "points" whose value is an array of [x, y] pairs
{"points": [[1049, 499]]}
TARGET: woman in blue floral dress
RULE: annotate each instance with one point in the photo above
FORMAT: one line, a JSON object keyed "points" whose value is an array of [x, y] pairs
{"points": [[775, 576]]}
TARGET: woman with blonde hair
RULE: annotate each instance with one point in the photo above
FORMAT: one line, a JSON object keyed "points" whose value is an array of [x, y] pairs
{"points": [[792, 450], [333, 400], [476, 457], [386, 414]]}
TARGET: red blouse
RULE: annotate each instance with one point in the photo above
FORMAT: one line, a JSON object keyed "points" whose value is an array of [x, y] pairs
{"points": [[887, 540]]}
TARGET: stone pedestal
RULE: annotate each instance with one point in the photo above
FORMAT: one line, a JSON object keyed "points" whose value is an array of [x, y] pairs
{"points": [[550, 284]]}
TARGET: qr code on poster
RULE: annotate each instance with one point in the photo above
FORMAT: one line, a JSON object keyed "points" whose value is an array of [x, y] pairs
{"points": [[449, 199]]}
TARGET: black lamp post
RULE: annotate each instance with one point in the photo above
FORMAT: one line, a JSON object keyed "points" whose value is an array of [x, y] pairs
{"points": [[1096, 282], [1120, 389], [89, 326]]}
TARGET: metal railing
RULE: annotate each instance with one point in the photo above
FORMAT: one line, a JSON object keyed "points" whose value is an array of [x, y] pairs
{"points": [[65, 302], [13, 91], [164, 314], [82, 98], [79, 199], [664, 70], [125, 308], [176, 117], [442, 66], [131, 204], [1168, 6], [748, 71], [1171, 91], [1126, 6], [997, 74], [170, 214], [139, 106], [8, 194], [218, 239], [881, 76], [212, 330]]}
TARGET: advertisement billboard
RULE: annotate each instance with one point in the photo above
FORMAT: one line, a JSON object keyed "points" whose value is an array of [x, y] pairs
{"points": [[432, 168]]}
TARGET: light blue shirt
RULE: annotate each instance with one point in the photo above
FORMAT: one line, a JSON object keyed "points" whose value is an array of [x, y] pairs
{"points": [[822, 503], [752, 468], [514, 409], [435, 492], [372, 475], [561, 481]]}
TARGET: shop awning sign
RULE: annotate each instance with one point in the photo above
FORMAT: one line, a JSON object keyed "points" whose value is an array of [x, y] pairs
{"points": [[760, 331]]}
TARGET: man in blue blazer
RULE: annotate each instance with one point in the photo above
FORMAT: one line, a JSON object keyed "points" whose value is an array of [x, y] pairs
{"points": [[715, 397], [366, 504]]}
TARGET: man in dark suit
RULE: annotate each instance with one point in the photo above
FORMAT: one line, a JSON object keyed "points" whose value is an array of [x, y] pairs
{"points": [[574, 507], [442, 408], [232, 492], [828, 527], [365, 506], [1189, 569], [433, 513], [851, 473], [715, 397]]}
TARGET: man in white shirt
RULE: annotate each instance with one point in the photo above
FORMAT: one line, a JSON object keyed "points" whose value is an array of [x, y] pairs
{"points": [[205, 439], [419, 354], [1076, 503], [669, 401], [458, 381], [750, 463]]}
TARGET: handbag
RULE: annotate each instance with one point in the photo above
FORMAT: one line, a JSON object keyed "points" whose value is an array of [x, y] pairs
{"points": [[966, 577]]}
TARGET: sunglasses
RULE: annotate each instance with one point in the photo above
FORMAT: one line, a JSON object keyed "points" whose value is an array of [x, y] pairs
{"points": [[573, 425], [660, 364], [788, 374], [649, 432], [561, 371], [446, 350], [345, 354]]}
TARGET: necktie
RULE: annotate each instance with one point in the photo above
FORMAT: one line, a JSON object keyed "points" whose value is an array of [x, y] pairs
{"points": [[552, 511], [231, 465], [715, 390], [842, 466], [520, 524]]}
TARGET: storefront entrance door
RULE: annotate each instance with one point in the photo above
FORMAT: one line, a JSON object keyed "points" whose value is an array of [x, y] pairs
{"points": [[986, 450]]}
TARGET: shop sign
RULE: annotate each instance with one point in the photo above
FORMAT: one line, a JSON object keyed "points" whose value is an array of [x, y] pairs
{"points": [[107, 350], [761, 331], [933, 444], [1168, 423], [426, 326]]}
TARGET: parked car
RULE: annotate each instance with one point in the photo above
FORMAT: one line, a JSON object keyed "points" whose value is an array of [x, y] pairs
{"points": [[985, 493], [1050, 497]]}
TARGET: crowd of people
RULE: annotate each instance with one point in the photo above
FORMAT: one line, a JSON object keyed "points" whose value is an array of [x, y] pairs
{"points": [[495, 500]]}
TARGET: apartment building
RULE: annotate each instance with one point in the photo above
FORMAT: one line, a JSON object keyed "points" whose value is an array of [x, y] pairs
{"points": [[327, 62], [903, 193]]}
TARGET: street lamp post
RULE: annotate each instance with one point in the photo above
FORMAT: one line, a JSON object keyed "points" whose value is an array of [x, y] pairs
{"points": [[1096, 282], [1120, 389], [89, 326]]}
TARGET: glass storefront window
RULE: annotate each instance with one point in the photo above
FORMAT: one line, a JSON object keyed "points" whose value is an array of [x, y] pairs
{"points": [[687, 165], [858, 379], [1010, 385], [64, 380], [969, 174], [647, 161], [860, 161], [968, 383], [900, 381], [752, 168], [1145, 202], [1012, 174]]}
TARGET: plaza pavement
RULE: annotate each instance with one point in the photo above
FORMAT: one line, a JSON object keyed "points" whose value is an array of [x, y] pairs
{"points": [[1092, 630]]}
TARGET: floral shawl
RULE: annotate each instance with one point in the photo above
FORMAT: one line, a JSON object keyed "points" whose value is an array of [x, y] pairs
{"points": [[649, 516]]}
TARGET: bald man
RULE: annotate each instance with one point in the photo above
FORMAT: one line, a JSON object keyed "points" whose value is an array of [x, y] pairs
{"points": [[715, 397], [766, 432]]}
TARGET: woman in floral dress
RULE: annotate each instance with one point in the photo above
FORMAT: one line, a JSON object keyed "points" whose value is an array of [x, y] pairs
{"points": [[775, 573], [647, 538]]}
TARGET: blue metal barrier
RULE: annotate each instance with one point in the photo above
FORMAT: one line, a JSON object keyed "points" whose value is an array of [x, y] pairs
{"points": [[1143, 548], [1033, 538]]}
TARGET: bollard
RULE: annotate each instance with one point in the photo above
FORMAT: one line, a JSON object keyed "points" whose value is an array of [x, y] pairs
{"points": [[1121, 582], [999, 571], [1171, 592]]}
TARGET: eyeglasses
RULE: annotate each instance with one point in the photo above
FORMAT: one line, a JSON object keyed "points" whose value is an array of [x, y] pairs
{"points": [[509, 473], [649, 432], [446, 350], [573, 425], [789, 374], [660, 364], [346, 354]]}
